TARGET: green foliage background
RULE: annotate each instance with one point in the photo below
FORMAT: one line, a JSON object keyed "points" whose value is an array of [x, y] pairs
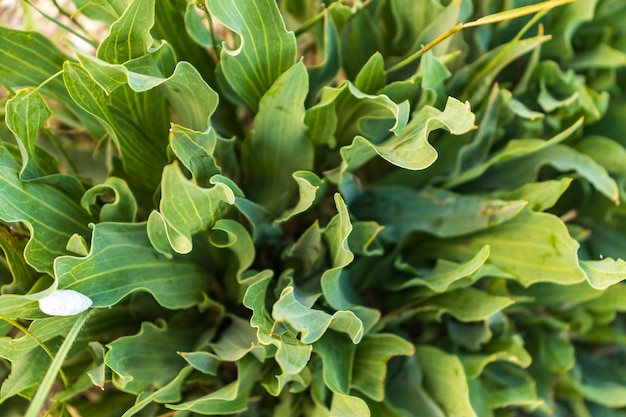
{"points": [[295, 209]]}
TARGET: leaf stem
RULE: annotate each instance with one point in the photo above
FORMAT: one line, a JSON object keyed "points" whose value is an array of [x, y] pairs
{"points": [[216, 46], [37, 403]]}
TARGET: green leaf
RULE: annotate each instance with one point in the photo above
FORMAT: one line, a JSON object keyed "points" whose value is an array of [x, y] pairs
{"points": [[40, 206], [129, 36], [515, 148], [231, 399], [533, 247], [148, 359], [444, 274], [182, 217], [264, 52], [439, 212], [278, 145], [346, 406], [21, 274], [605, 273], [344, 112], [445, 380], [120, 207], [26, 114], [500, 350], [325, 72], [121, 261], [313, 323], [142, 156], [410, 148], [34, 51], [370, 362], [371, 78], [337, 353], [469, 304]]}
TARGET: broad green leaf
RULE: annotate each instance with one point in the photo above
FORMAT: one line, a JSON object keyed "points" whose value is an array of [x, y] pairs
{"points": [[291, 354], [183, 216], [363, 239], [195, 27], [363, 26], [347, 406], [143, 157], [44, 330], [119, 203], [563, 24], [601, 57], [410, 148], [129, 36], [265, 49], [17, 306], [337, 352], [470, 336], [237, 340], [148, 359], [440, 280], [445, 380], [51, 215], [605, 273], [540, 196], [515, 148], [231, 399], [606, 152], [278, 145], [533, 247], [122, 261], [469, 304], [562, 158], [26, 114], [27, 59], [313, 323], [439, 212], [190, 96], [370, 362]]}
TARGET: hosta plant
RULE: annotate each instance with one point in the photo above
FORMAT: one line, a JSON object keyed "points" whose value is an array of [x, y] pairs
{"points": [[390, 208]]}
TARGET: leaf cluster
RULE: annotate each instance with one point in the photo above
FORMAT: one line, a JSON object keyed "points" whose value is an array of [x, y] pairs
{"points": [[386, 208]]}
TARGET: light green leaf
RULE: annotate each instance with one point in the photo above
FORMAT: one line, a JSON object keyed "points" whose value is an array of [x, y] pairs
{"points": [[26, 114], [278, 146], [122, 261], [469, 304], [27, 371], [324, 73], [183, 215], [204, 362], [439, 212], [129, 37], [119, 207], [142, 156], [190, 96], [232, 398], [540, 196], [371, 78], [344, 112], [348, 406], [264, 52], [148, 359], [106, 11], [605, 273], [236, 341], [511, 350], [313, 323], [444, 379], [606, 152], [533, 247], [440, 279], [370, 362], [410, 148], [309, 185], [515, 148]]}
